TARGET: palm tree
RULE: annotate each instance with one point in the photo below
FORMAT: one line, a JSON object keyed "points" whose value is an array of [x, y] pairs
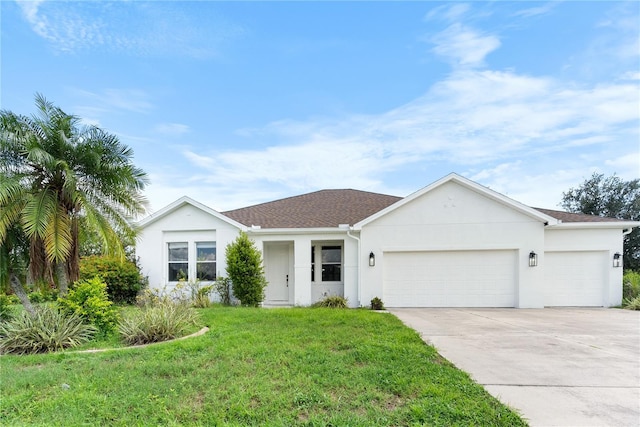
{"points": [[55, 174]]}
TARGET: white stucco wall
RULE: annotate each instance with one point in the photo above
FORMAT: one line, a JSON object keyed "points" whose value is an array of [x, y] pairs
{"points": [[584, 240], [304, 291], [186, 224], [449, 217], [454, 217]]}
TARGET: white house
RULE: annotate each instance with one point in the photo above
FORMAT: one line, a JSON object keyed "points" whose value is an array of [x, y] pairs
{"points": [[454, 243]]}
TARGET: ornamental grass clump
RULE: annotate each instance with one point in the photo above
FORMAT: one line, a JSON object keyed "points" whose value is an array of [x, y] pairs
{"points": [[631, 304], [48, 330], [163, 321], [332, 302]]}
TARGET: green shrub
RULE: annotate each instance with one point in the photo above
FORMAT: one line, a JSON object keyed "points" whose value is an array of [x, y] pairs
{"points": [[6, 309], [376, 304], [12, 299], [631, 285], [332, 302], [123, 278], [222, 287], [244, 266], [38, 297], [154, 323], [49, 330], [89, 300], [631, 304]]}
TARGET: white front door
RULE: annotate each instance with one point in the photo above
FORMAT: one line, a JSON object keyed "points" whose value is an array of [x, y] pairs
{"points": [[276, 269]]}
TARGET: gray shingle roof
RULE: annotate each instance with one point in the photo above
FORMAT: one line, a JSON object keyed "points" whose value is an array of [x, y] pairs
{"points": [[324, 208], [329, 208], [576, 217]]}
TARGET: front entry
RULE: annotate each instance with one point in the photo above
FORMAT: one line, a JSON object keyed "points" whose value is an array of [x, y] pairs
{"points": [[277, 272]]}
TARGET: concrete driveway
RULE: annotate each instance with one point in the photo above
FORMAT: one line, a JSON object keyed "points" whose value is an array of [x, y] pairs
{"points": [[557, 367]]}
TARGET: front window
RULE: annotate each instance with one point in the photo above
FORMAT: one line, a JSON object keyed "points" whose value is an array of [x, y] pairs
{"points": [[331, 263], [178, 261], [206, 261]]}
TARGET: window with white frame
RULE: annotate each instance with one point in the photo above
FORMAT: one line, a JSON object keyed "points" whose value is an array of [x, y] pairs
{"points": [[206, 261], [331, 263], [178, 261], [327, 260]]}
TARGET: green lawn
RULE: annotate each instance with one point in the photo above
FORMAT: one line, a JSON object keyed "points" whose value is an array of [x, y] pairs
{"points": [[278, 367]]}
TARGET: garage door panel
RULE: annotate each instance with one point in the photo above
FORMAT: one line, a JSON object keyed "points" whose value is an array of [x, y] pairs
{"points": [[575, 278], [450, 279]]}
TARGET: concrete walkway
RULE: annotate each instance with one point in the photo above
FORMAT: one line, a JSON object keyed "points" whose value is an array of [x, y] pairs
{"points": [[557, 367]]}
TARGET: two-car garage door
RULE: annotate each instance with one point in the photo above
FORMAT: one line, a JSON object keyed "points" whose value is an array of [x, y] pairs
{"points": [[450, 278]]}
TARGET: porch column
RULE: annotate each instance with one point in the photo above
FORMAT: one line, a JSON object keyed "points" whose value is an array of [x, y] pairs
{"points": [[302, 270]]}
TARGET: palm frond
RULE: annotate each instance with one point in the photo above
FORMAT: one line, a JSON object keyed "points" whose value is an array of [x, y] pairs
{"points": [[58, 241], [38, 211]]}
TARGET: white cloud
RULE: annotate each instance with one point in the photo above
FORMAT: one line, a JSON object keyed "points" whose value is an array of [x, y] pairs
{"points": [[630, 75], [627, 165], [137, 28], [522, 124], [541, 190], [463, 46], [172, 129], [112, 100], [536, 11], [448, 12]]}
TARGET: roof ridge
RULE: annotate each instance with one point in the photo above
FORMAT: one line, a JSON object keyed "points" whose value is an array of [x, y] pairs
{"points": [[257, 205]]}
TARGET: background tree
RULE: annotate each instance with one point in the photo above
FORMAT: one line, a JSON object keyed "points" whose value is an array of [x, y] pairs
{"points": [[56, 174], [610, 197], [244, 267], [14, 258]]}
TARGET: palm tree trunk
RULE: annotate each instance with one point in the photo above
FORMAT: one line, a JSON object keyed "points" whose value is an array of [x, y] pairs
{"points": [[73, 263], [19, 290], [63, 281]]}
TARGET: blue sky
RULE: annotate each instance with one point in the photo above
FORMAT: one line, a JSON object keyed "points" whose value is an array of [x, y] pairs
{"points": [[237, 103]]}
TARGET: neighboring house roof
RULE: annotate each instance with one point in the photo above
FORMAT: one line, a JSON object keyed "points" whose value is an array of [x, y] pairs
{"points": [[325, 208]]}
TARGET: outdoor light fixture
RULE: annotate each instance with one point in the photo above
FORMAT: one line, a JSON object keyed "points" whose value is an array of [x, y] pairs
{"points": [[533, 259], [372, 259], [617, 260]]}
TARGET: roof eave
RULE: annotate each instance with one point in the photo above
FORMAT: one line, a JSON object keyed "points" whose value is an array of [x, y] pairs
{"points": [[182, 201], [298, 231], [620, 225]]}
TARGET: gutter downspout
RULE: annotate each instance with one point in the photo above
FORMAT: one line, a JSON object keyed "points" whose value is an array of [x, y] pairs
{"points": [[627, 231], [359, 262]]}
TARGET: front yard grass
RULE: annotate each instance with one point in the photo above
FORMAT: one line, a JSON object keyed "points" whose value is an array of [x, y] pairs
{"points": [[277, 367]]}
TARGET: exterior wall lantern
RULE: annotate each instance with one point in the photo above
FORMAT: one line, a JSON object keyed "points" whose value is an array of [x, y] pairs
{"points": [[372, 259], [533, 259], [617, 260]]}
